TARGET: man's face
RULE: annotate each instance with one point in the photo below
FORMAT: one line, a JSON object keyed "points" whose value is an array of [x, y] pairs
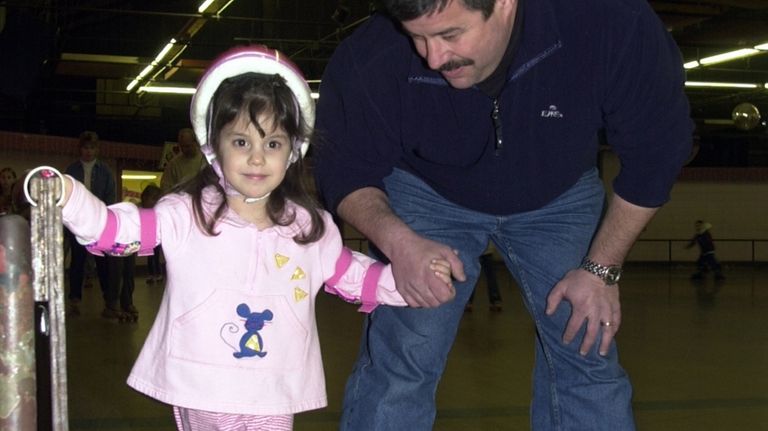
{"points": [[460, 43], [89, 151], [188, 144]]}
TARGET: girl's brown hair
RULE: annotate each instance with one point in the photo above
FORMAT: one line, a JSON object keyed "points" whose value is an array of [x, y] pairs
{"points": [[256, 94]]}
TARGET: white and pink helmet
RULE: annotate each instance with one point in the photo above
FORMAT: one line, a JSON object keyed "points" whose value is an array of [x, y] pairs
{"points": [[237, 61]]}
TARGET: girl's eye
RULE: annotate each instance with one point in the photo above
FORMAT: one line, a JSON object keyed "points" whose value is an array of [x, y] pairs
{"points": [[274, 145], [240, 143]]}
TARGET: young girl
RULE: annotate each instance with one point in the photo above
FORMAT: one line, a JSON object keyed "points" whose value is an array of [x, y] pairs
{"points": [[234, 344]]}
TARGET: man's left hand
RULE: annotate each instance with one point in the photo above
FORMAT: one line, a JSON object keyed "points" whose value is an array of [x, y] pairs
{"points": [[593, 303]]}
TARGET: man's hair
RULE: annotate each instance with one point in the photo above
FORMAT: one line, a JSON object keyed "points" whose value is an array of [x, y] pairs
{"points": [[89, 138], [407, 10]]}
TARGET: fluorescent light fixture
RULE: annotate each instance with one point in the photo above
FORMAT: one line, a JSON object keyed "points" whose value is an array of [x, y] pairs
{"points": [[731, 55], [164, 51], [718, 84], [315, 95], [204, 6], [151, 66], [99, 58], [224, 7], [167, 90], [207, 3], [146, 71], [691, 64], [762, 46], [131, 85], [138, 176]]}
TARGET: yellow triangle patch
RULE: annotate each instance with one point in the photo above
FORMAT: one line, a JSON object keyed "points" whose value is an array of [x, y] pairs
{"points": [[298, 274], [281, 260], [299, 294]]}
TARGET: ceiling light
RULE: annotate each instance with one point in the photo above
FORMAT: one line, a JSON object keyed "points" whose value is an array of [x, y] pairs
{"points": [[726, 56], [691, 64], [99, 58], [207, 3], [138, 177], [204, 6], [719, 84], [762, 46], [132, 84], [224, 7], [167, 90], [156, 62], [164, 51]]}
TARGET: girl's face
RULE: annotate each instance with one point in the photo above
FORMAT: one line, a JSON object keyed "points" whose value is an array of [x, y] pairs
{"points": [[254, 164]]}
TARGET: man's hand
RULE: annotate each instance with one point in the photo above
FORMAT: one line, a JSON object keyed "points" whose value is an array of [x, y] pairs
{"points": [[411, 255], [592, 302], [414, 277]]}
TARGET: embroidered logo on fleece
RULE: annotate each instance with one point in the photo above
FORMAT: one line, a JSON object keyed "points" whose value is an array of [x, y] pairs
{"points": [[251, 344], [551, 112]]}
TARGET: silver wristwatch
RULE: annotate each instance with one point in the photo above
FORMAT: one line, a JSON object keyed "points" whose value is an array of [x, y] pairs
{"points": [[609, 274]]}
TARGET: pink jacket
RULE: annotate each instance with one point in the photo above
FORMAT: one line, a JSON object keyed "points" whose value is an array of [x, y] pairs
{"points": [[235, 331]]}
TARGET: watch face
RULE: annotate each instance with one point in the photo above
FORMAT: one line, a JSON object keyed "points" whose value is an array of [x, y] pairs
{"points": [[612, 275]]}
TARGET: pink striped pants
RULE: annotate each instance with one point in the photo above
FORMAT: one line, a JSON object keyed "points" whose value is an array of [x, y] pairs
{"points": [[200, 420]]}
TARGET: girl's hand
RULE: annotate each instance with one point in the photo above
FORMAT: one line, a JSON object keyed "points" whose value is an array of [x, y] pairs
{"points": [[442, 269]]}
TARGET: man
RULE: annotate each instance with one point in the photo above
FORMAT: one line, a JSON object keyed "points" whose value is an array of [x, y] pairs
{"points": [[98, 178], [459, 121], [185, 165]]}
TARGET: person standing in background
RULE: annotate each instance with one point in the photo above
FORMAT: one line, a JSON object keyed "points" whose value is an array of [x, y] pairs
{"points": [[99, 180], [186, 164], [7, 180]]}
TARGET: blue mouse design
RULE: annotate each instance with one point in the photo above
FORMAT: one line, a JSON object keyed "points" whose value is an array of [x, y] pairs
{"points": [[251, 343]]}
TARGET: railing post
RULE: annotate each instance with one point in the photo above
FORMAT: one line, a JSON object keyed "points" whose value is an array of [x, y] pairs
{"points": [[44, 192], [18, 403]]}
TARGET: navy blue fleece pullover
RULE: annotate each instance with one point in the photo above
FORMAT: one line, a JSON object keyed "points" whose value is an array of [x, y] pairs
{"points": [[581, 66]]}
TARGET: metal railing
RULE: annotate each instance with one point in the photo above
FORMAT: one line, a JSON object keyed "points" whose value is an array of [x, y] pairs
{"points": [[674, 250], [32, 271]]}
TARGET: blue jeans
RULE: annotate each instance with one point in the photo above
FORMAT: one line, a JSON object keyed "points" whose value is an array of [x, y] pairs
{"points": [[404, 350]]}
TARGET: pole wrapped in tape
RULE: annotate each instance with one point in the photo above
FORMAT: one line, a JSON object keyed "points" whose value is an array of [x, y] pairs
{"points": [[18, 402]]}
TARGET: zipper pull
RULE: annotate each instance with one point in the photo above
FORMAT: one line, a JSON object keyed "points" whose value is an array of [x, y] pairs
{"points": [[497, 125]]}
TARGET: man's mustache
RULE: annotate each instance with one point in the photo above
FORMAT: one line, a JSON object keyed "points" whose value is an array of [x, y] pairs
{"points": [[455, 64]]}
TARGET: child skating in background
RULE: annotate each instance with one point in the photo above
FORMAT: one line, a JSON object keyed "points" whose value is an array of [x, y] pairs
{"points": [[235, 344], [707, 259]]}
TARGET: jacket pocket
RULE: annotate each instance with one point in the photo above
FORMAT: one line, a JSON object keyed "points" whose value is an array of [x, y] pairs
{"points": [[232, 329]]}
